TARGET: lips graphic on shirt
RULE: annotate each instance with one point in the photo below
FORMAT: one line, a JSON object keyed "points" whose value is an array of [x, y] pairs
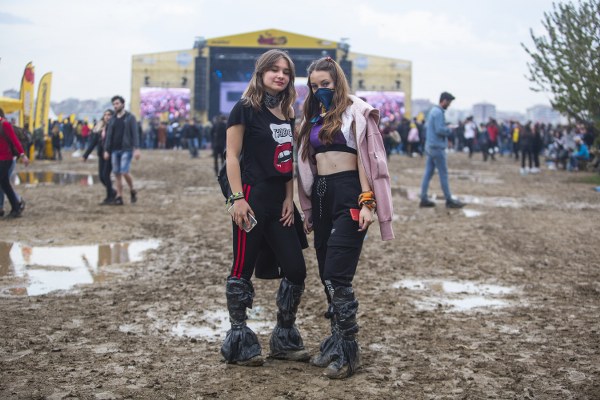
{"points": [[282, 161]]}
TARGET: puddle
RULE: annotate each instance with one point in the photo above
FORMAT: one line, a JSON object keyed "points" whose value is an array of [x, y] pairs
{"points": [[213, 325], [471, 213], [44, 269], [55, 178], [456, 296]]}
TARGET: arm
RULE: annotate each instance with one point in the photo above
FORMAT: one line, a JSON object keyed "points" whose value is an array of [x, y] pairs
{"points": [[287, 211], [107, 140], [92, 145], [366, 215], [439, 124], [235, 139]]}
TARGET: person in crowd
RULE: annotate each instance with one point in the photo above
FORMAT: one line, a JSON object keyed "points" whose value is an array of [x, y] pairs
{"points": [[10, 147], [526, 146], [98, 140], [260, 132], [161, 135], [493, 132], [218, 137], [516, 133], [483, 141], [470, 133], [581, 153], [435, 148], [343, 179], [413, 140], [55, 138], [537, 146], [85, 134], [191, 133], [122, 142]]}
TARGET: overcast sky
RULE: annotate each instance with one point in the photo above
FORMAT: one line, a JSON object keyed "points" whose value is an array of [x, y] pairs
{"points": [[470, 48]]}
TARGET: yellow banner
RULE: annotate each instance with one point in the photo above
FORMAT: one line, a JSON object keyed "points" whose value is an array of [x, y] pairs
{"points": [[42, 106], [27, 86], [272, 38]]}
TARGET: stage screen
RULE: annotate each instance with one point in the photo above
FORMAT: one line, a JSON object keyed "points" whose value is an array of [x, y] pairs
{"points": [[390, 104], [231, 93], [165, 103]]}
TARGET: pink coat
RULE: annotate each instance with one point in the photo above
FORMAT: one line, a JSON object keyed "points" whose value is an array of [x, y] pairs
{"points": [[372, 153]]}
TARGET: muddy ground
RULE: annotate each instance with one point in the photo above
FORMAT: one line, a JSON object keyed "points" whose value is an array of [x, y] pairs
{"points": [[499, 302]]}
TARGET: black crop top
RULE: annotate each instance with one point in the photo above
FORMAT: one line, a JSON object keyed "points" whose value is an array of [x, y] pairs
{"points": [[267, 148]]}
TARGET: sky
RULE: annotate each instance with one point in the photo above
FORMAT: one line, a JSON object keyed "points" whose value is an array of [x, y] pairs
{"points": [[471, 48]]}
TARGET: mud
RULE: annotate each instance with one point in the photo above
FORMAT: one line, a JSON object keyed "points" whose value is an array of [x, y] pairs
{"points": [[499, 302]]}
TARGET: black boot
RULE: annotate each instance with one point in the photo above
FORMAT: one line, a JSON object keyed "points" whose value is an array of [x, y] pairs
{"points": [[327, 350], [241, 344], [286, 342], [345, 350]]}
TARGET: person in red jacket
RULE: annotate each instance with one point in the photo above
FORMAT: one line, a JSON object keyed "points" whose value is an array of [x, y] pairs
{"points": [[9, 146], [492, 129]]}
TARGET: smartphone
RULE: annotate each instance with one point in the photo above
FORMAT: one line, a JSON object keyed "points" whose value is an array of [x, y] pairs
{"points": [[251, 218], [355, 214]]}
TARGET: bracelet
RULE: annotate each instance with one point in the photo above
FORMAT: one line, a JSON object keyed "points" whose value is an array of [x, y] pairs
{"points": [[367, 199], [234, 197]]}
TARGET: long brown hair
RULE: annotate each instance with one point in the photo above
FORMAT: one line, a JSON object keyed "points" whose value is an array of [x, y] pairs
{"points": [[253, 95], [332, 122]]}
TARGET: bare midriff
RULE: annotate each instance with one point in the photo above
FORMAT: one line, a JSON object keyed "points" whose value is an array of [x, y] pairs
{"points": [[333, 162]]}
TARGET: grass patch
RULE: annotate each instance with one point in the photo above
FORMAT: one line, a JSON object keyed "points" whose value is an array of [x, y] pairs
{"points": [[590, 179]]}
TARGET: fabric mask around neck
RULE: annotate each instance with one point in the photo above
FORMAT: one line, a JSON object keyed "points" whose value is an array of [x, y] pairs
{"points": [[325, 97]]}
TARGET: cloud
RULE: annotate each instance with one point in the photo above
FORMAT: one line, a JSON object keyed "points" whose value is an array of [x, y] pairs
{"points": [[10, 19]]}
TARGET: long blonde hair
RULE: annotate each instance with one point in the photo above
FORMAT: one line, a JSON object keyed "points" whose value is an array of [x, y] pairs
{"points": [[332, 122], [253, 95]]}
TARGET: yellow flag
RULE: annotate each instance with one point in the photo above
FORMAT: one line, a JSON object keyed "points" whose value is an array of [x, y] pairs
{"points": [[27, 86], [42, 106]]}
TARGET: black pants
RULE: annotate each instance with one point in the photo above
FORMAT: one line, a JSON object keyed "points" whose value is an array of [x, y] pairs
{"points": [[338, 242], [266, 200], [5, 184], [104, 171], [526, 152]]}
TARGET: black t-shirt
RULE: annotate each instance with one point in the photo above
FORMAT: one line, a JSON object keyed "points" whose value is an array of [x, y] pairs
{"points": [[118, 132], [267, 148]]}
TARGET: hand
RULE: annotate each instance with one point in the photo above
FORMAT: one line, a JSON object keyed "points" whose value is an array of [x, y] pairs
{"points": [[25, 160], [106, 155], [137, 154], [287, 213], [241, 208], [365, 218], [308, 225]]}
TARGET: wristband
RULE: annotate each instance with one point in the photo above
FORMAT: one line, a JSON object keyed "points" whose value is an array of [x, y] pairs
{"points": [[234, 197]]}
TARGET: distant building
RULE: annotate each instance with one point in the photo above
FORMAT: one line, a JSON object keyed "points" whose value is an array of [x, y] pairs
{"points": [[544, 114], [482, 112], [511, 116]]}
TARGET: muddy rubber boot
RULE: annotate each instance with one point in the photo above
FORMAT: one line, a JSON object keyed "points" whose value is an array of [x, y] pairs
{"points": [[327, 348], [286, 342], [241, 345], [346, 358]]}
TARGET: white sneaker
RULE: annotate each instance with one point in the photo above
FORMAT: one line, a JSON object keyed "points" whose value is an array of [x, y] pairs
{"points": [[523, 171], [535, 170]]}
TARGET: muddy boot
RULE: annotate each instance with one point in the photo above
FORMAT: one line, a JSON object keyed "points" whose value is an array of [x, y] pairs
{"points": [[241, 345], [286, 342], [346, 357], [328, 346]]}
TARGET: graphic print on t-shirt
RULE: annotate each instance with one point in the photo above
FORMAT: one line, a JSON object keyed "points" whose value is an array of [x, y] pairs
{"points": [[282, 159]]}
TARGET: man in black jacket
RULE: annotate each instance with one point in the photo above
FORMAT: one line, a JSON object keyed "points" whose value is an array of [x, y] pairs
{"points": [[122, 142]]}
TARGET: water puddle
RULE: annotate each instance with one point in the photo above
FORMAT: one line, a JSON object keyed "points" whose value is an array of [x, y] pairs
{"points": [[39, 270], [469, 213], [213, 325], [456, 296], [54, 178]]}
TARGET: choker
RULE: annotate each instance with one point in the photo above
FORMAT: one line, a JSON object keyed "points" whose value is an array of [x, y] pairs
{"points": [[271, 101]]}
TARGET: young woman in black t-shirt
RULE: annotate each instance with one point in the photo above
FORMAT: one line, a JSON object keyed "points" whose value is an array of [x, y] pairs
{"points": [[260, 130]]}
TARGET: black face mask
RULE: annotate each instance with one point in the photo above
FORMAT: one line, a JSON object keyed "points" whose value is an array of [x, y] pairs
{"points": [[271, 101]]}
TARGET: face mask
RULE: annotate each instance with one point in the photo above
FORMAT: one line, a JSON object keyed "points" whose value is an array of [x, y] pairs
{"points": [[325, 96]]}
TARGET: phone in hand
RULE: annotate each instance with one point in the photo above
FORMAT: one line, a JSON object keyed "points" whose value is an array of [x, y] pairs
{"points": [[355, 214], [246, 227]]}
